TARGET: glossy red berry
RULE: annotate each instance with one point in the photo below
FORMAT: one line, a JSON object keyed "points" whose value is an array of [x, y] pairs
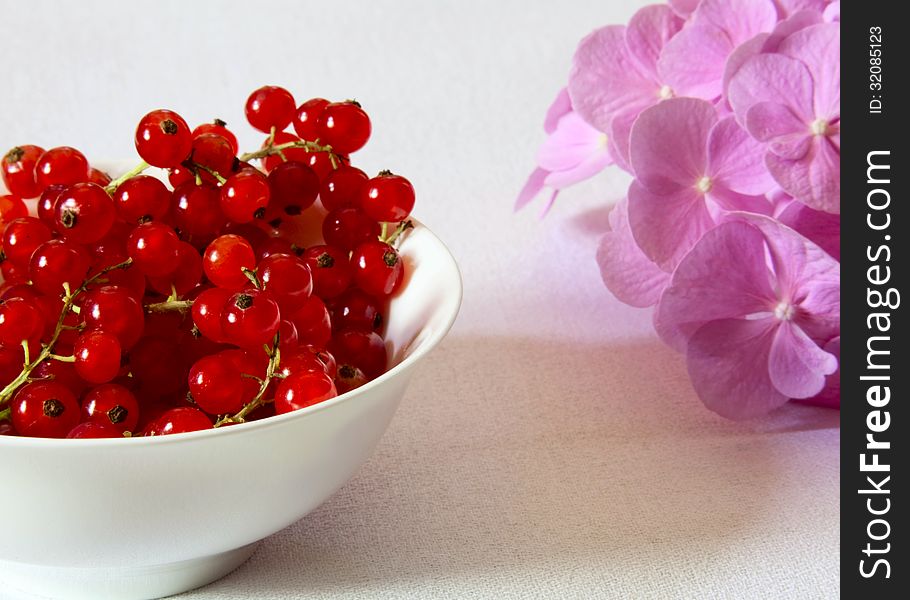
{"points": [[388, 197], [11, 207], [322, 164], [347, 228], [292, 153], [58, 262], [300, 361], [355, 309], [18, 170], [11, 359], [330, 268], [218, 127], [378, 269], [287, 278], [248, 362], [47, 203], [97, 356], [91, 430], [181, 420], [84, 213], [226, 258], [306, 119], [185, 277], [287, 336], [342, 188], [302, 390], [62, 165], [250, 319], [113, 309], [349, 378], [44, 409], [197, 210], [270, 106], [163, 139], [215, 385], [362, 349], [113, 405], [244, 196], [98, 177], [21, 321], [61, 372], [345, 126], [154, 248], [141, 199], [294, 187], [207, 309], [22, 236], [213, 152], [313, 323]]}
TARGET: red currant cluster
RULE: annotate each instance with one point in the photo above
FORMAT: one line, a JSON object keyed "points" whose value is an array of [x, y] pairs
{"points": [[130, 307]]}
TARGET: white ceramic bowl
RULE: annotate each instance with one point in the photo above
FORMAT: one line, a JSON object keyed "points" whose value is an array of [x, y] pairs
{"points": [[150, 517]]}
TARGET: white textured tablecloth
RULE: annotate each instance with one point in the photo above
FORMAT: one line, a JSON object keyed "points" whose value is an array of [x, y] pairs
{"points": [[551, 447]]}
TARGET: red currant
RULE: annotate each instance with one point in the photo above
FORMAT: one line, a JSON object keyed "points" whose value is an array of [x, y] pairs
{"points": [[181, 420], [388, 197], [300, 361], [347, 228], [185, 277], [248, 362], [356, 309], [313, 323], [301, 155], [58, 262], [226, 258], [97, 356], [141, 199], [113, 309], [345, 126], [294, 187], [47, 203], [306, 119], [63, 165], [18, 169], [342, 188], [349, 378], [214, 152], [362, 349], [197, 209], [94, 430], [216, 385], [270, 106], [84, 213], [163, 139], [44, 409], [244, 196], [378, 269], [218, 127], [157, 366], [22, 236], [98, 177], [21, 321], [11, 207], [11, 359], [250, 319], [61, 372], [330, 268], [287, 278], [302, 390], [113, 405], [154, 248], [207, 309]]}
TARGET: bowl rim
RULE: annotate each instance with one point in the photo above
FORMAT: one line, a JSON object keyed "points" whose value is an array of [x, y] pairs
{"points": [[274, 420]]}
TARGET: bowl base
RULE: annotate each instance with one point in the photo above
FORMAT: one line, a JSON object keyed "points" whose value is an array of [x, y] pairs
{"points": [[138, 583]]}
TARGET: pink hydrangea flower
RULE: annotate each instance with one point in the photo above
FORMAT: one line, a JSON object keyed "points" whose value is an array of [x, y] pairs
{"points": [[573, 152], [691, 168], [625, 269], [821, 228], [754, 305], [693, 61], [791, 101], [615, 74]]}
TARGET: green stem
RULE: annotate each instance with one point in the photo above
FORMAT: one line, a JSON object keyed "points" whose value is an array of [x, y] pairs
{"points": [[259, 399], [402, 227], [113, 185], [270, 149], [211, 172], [5, 413], [169, 306], [47, 350]]}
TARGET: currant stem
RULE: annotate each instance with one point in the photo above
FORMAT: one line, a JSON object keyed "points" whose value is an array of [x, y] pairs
{"points": [[259, 399], [5, 413], [169, 306], [69, 297], [271, 149], [68, 359], [402, 227], [113, 185], [211, 172]]}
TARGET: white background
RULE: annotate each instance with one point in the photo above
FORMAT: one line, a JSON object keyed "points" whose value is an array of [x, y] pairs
{"points": [[551, 447]]}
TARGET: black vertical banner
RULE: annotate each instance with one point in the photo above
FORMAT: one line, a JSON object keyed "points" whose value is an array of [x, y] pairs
{"points": [[875, 266]]}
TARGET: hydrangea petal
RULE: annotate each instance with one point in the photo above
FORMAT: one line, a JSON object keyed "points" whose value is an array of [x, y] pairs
{"points": [[588, 168], [728, 364], [666, 226], [769, 78], [728, 200], [620, 134], [789, 137], [531, 188], [735, 159], [683, 8], [814, 179], [626, 271], [667, 145], [723, 277], [739, 19], [821, 228], [832, 15], [605, 79], [648, 30], [796, 365], [818, 47], [570, 144], [789, 7], [562, 105], [830, 395], [692, 63]]}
